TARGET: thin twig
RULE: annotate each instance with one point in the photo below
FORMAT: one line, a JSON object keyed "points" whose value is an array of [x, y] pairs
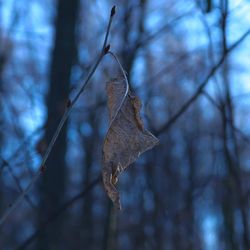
{"points": [[59, 128], [20, 147], [16, 180], [202, 85], [220, 109], [59, 211], [145, 41], [126, 91]]}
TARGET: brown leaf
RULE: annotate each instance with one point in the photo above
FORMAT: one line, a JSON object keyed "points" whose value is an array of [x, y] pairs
{"points": [[126, 138]]}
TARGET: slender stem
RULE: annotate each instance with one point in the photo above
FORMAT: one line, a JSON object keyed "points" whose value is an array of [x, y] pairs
{"points": [[121, 68], [59, 128], [126, 91]]}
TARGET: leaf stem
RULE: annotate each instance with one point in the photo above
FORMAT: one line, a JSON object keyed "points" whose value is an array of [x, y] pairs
{"points": [[127, 87]]}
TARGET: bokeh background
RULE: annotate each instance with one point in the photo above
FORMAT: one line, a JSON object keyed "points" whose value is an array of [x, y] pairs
{"points": [[189, 62]]}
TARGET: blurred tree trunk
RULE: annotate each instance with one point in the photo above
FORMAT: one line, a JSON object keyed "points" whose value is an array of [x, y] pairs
{"points": [[87, 232], [53, 182], [2, 63], [130, 46], [110, 233], [5, 50], [234, 188], [190, 226]]}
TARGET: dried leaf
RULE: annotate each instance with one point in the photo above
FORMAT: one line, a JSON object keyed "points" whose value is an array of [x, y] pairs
{"points": [[126, 138]]}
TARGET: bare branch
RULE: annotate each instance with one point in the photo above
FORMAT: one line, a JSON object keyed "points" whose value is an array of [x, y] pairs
{"points": [[16, 180], [202, 85], [60, 126]]}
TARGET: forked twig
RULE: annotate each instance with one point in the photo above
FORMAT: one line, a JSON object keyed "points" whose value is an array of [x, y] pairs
{"points": [[59, 211], [104, 51], [16, 180], [202, 86]]}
